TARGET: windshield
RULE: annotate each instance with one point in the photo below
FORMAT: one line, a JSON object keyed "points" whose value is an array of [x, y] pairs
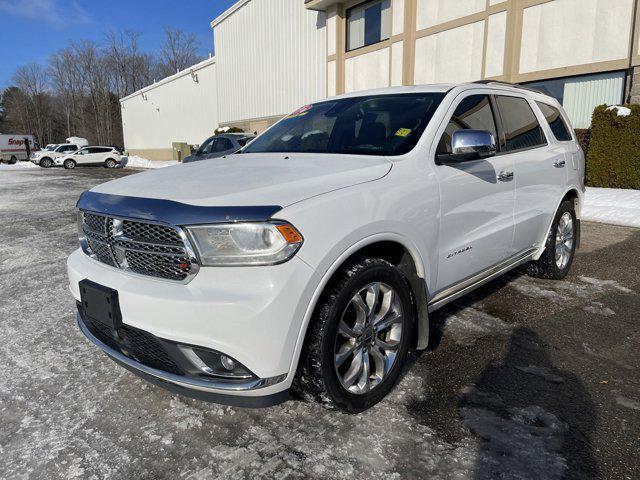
{"points": [[373, 125]]}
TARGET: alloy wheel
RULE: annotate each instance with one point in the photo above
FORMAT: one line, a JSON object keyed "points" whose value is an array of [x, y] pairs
{"points": [[368, 338], [564, 240]]}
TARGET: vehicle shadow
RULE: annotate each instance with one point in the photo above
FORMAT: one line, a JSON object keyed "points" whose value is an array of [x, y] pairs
{"points": [[529, 418]]}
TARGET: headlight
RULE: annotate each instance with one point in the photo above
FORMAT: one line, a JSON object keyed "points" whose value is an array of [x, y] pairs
{"points": [[233, 244]]}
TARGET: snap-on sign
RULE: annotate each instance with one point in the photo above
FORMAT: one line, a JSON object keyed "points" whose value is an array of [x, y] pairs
{"points": [[13, 141]]}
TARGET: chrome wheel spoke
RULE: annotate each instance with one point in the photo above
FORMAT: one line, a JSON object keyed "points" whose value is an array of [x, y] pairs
{"points": [[346, 330], [389, 346], [387, 322], [373, 291], [345, 351], [363, 382], [353, 373]]}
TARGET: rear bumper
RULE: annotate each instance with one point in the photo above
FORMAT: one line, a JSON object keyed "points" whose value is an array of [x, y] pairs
{"points": [[208, 390]]}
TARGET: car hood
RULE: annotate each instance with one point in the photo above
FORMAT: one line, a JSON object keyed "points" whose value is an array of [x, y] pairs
{"points": [[251, 179]]}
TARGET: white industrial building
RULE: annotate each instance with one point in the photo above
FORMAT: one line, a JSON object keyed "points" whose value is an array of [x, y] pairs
{"points": [[273, 56]]}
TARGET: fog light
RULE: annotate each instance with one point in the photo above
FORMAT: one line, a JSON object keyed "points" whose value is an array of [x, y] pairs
{"points": [[227, 363]]}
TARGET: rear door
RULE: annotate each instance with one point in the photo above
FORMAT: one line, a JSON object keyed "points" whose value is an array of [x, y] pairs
{"points": [[85, 156], [477, 198], [539, 173]]}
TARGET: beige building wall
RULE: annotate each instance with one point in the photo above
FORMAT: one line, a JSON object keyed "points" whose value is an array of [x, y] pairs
{"points": [[466, 40]]}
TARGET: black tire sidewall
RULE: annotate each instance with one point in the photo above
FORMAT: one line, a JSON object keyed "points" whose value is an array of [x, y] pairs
{"points": [[341, 397], [13, 160]]}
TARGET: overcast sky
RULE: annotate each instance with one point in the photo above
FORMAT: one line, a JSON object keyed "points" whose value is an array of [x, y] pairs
{"points": [[31, 30]]}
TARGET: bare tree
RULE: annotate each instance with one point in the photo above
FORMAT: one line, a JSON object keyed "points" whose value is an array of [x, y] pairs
{"points": [[32, 80], [132, 69], [179, 51]]}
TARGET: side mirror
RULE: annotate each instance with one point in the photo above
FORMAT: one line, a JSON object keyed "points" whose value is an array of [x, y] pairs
{"points": [[470, 145]]}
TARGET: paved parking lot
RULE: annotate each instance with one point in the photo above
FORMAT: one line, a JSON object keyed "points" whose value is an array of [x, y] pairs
{"points": [[524, 378]]}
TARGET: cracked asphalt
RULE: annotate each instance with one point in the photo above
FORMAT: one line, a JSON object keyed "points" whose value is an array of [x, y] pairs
{"points": [[524, 378]]}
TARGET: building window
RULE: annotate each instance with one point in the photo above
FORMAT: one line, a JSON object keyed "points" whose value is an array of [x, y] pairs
{"points": [[368, 23]]}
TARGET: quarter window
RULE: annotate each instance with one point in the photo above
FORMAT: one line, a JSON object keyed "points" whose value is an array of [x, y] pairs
{"points": [[473, 113], [368, 23], [556, 122], [521, 127]]}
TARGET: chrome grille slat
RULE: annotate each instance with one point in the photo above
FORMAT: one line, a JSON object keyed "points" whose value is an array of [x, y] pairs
{"points": [[150, 249]]}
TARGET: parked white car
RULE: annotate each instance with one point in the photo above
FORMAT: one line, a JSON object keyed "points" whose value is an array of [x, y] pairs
{"points": [[46, 158], [313, 259], [108, 157]]}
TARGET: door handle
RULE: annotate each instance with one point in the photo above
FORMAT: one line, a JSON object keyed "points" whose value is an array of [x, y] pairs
{"points": [[505, 176], [559, 163]]}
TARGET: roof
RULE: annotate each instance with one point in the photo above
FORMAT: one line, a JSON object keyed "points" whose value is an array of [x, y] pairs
{"points": [[444, 88], [228, 12], [186, 71]]}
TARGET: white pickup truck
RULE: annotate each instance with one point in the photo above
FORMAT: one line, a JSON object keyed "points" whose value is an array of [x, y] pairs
{"points": [[15, 148], [312, 259]]}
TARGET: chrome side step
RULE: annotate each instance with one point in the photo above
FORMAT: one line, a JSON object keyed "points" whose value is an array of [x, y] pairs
{"points": [[460, 289]]}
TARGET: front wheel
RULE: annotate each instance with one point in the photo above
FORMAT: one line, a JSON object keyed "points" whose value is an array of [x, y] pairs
{"points": [[69, 164], [359, 337], [46, 162], [13, 160], [560, 247]]}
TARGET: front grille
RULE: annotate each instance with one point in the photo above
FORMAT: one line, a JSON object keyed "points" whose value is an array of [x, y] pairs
{"points": [[140, 247]]}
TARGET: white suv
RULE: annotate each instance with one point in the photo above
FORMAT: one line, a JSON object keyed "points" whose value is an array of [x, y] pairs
{"points": [[313, 259], [46, 158], [108, 157]]}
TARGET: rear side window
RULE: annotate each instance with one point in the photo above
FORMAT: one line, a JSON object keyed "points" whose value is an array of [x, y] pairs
{"points": [[522, 130], [222, 144], [556, 122], [473, 113]]}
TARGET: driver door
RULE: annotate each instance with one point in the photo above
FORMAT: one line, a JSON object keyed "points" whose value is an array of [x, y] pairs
{"points": [[477, 198]]}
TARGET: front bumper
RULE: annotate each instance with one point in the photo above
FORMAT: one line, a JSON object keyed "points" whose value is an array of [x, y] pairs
{"points": [[208, 390], [252, 314]]}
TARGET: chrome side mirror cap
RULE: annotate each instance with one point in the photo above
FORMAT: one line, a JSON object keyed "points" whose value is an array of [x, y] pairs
{"points": [[471, 145]]}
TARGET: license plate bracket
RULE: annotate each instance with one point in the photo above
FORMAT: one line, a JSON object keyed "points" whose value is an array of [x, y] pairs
{"points": [[100, 304]]}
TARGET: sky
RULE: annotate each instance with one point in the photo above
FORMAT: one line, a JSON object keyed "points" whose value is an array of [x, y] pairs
{"points": [[31, 30]]}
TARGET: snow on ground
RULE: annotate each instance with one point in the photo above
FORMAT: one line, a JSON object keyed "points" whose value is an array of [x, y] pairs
{"points": [[134, 161], [18, 166], [620, 110], [612, 205]]}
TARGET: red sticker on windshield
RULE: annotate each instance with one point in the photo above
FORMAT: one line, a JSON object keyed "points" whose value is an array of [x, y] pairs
{"points": [[301, 111]]}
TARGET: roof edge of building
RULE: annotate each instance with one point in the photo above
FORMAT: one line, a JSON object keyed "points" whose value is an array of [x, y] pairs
{"points": [[228, 12], [198, 66]]}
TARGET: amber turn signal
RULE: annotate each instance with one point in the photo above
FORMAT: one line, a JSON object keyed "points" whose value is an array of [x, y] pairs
{"points": [[289, 233]]}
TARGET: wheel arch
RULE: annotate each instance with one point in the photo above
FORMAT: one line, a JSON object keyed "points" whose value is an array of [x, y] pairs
{"points": [[572, 193], [398, 251]]}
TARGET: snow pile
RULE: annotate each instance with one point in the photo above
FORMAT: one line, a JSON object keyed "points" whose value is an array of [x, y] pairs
{"points": [[139, 162], [612, 205], [622, 111], [18, 166]]}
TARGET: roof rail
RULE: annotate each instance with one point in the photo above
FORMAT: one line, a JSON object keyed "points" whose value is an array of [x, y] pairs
{"points": [[514, 85]]}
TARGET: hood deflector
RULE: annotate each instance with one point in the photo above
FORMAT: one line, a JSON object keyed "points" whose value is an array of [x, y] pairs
{"points": [[171, 212]]}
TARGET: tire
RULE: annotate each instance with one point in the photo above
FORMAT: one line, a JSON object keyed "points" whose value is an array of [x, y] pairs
{"points": [[560, 247], [329, 362], [69, 164], [110, 163], [13, 160], [46, 162]]}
